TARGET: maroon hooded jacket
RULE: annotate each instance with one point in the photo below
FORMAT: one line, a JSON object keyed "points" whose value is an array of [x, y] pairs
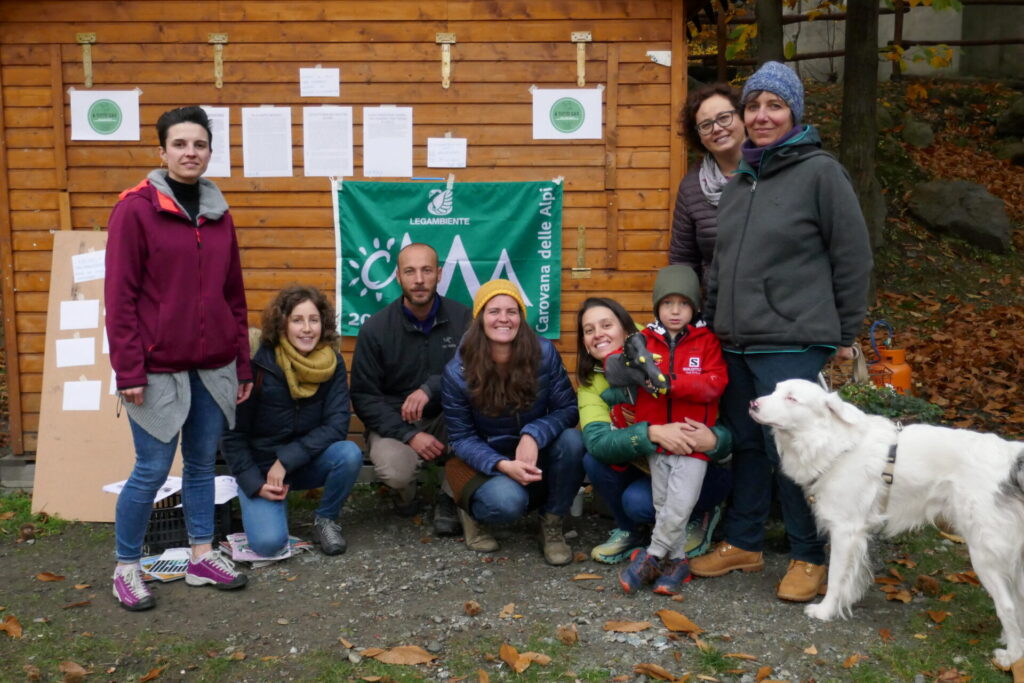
{"points": [[174, 294]]}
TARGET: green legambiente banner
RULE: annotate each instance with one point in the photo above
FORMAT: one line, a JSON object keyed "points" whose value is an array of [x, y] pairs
{"points": [[481, 231]]}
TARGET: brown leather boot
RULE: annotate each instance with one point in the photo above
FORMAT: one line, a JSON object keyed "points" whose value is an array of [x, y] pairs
{"points": [[1017, 669], [476, 537], [552, 541], [802, 582], [726, 558]]}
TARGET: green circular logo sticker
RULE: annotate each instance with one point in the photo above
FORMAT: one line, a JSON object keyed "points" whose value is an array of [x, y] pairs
{"points": [[104, 116], [567, 115]]}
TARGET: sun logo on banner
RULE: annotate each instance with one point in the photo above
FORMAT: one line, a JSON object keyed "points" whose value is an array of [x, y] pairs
{"points": [[365, 278]]}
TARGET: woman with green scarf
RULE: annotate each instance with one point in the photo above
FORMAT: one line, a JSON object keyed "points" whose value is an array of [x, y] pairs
{"points": [[291, 434]]}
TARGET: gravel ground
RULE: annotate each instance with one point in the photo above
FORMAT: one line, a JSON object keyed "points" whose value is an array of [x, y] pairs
{"points": [[398, 585]]}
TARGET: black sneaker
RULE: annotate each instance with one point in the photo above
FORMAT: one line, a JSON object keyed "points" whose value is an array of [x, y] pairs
{"points": [[327, 533], [446, 516]]}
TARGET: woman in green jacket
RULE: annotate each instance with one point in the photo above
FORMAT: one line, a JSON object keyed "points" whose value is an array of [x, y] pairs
{"points": [[616, 456]]}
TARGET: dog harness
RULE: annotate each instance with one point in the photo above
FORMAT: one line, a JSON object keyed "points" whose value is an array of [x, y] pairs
{"points": [[888, 474]]}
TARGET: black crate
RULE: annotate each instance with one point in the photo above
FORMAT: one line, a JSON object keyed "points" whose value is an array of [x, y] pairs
{"points": [[167, 526]]}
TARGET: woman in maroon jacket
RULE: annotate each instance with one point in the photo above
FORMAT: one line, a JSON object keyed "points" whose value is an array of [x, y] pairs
{"points": [[713, 123], [176, 321]]}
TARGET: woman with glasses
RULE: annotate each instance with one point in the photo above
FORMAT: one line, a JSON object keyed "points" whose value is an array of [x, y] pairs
{"points": [[711, 122]]}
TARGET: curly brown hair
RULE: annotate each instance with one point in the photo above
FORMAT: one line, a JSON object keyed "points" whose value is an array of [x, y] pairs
{"points": [[494, 391], [274, 323], [688, 116]]}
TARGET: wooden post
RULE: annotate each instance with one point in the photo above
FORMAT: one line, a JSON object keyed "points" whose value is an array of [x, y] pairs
{"points": [[7, 291], [611, 148], [722, 39], [677, 97], [897, 38]]}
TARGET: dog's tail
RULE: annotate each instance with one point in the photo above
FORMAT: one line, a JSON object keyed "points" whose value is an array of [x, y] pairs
{"points": [[1013, 485]]}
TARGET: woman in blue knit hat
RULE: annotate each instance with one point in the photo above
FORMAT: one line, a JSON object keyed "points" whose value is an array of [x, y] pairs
{"points": [[787, 289]]}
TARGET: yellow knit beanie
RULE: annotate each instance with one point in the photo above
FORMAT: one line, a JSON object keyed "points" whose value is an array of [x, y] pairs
{"points": [[491, 289]]}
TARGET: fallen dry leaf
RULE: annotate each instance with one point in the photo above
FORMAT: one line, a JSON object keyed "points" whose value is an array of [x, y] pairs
{"points": [[538, 657], [810, 650], [6, 516], [48, 576], [947, 597], [763, 673], [937, 617], [11, 626], [903, 596], [568, 635], [586, 577], [906, 562], [482, 676], [654, 671], [82, 586], [927, 585], [511, 656], [885, 634], [626, 626], [675, 621], [896, 572], [852, 661], [677, 598], [952, 537], [887, 580], [741, 655], [620, 679], [701, 645], [32, 672], [82, 603], [403, 654], [73, 672], [345, 643], [153, 674], [236, 656], [471, 607], [507, 611], [580, 557], [964, 577]]}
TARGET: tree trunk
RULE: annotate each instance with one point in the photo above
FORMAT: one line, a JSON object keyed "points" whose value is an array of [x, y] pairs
{"points": [[770, 45], [859, 124]]}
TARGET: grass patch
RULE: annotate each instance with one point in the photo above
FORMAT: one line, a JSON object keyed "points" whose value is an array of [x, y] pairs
{"points": [[16, 513]]}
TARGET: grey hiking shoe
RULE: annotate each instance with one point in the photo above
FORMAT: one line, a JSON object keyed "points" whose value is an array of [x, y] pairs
{"points": [[327, 533], [446, 518]]}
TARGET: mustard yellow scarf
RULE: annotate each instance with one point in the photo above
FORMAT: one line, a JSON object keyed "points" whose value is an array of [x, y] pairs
{"points": [[305, 374]]}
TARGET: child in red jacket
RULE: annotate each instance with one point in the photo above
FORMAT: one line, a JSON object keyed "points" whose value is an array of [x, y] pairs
{"points": [[691, 361]]}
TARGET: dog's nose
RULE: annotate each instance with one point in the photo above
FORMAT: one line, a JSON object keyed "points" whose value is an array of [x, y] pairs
{"points": [[753, 406]]}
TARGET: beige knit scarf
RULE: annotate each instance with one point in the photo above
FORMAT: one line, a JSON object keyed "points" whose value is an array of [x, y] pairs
{"points": [[305, 374]]}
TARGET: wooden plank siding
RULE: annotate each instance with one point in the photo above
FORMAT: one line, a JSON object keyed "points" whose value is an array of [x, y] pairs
{"points": [[621, 188]]}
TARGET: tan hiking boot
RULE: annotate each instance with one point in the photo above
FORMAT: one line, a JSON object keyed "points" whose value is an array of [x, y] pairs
{"points": [[802, 582], [476, 537], [552, 542], [724, 559]]}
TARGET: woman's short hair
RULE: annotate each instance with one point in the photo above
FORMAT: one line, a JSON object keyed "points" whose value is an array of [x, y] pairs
{"points": [[585, 363], [688, 116], [274, 324], [173, 117]]}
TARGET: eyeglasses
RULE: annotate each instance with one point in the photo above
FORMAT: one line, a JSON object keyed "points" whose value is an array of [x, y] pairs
{"points": [[724, 120]]}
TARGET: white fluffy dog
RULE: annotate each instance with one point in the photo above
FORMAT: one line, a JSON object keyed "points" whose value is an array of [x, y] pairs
{"points": [[974, 482]]}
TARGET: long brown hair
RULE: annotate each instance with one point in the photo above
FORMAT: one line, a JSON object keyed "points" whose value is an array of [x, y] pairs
{"points": [[512, 389], [585, 363], [275, 315]]}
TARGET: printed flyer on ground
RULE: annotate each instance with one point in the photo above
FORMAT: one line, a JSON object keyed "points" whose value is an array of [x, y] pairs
{"points": [[481, 231]]}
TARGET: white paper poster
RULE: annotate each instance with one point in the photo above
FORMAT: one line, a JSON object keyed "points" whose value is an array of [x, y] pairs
{"points": [[82, 395], [73, 352], [327, 141], [567, 114], [446, 152], [89, 266], [387, 142], [105, 114], [319, 82], [80, 315], [220, 127], [267, 141]]}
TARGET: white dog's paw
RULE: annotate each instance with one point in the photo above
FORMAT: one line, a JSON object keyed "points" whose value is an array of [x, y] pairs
{"points": [[820, 611], [1003, 657]]}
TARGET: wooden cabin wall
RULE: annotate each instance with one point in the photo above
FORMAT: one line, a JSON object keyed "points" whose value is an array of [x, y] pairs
{"points": [[620, 188]]}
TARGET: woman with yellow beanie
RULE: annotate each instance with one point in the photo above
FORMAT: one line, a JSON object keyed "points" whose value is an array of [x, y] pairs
{"points": [[511, 414]]}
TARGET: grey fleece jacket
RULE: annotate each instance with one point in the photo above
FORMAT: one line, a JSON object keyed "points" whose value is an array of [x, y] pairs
{"points": [[793, 259]]}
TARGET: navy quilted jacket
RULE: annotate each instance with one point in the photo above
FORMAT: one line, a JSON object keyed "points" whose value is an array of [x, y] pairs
{"points": [[484, 440]]}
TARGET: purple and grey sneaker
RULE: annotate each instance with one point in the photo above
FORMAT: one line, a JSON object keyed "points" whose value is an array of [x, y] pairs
{"points": [[130, 590], [213, 569]]}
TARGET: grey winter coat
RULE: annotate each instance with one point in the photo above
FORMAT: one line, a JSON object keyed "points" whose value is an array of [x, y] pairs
{"points": [[793, 259], [694, 226]]}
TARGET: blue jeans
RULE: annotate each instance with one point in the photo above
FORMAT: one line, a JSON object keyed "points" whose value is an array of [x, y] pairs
{"points": [[336, 470], [755, 459], [501, 500], [199, 437], [628, 492]]}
